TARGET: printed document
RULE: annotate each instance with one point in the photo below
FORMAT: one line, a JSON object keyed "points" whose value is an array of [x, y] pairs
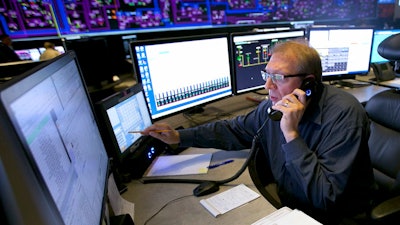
{"points": [[228, 200], [287, 216]]}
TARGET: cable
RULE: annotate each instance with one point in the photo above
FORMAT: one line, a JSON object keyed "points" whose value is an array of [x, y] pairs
{"points": [[210, 185], [166, 204]]}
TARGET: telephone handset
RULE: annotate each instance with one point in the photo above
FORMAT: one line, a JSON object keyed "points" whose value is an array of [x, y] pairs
{"points": [[308, 86]]}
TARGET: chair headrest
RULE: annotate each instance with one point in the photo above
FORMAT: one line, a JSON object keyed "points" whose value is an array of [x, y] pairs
{"points": [[390, 47], [384, 108]]}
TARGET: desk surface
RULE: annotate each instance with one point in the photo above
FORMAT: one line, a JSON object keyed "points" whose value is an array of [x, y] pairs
{"points": [[395, 83], [363, 94], [184, 207]]}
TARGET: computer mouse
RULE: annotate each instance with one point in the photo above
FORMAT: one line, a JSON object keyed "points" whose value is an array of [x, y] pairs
{"points": [[206, 188]]}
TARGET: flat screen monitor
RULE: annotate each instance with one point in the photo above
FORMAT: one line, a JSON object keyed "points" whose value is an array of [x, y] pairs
{"points": [[115, 17], [345, 52], [182, 73], [94, 59], [122, 114], [51, 115], [59, 48], [126, 41], [251, 53], [379, 36], [32, 54]]}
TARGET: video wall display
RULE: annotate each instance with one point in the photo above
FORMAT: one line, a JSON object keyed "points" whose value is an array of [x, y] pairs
{"points": [[34, 18]]}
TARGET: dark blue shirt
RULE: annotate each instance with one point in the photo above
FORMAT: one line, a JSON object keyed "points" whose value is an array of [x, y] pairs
{"points": [[326, 169]]}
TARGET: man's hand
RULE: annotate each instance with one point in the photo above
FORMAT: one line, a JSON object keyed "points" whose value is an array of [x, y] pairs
{"points": [[163, 132]]}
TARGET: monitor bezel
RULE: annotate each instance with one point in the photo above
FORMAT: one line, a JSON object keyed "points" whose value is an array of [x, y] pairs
{"points": [[348, 75], [106, 128], [26, 81], [23, 205], [256, 34], [192, 108]]}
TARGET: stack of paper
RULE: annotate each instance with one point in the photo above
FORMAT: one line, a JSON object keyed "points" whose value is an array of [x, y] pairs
{"points": [[287, 216]]}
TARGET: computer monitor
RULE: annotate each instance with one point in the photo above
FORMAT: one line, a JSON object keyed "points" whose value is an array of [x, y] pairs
{"points": [[121, 118], [345, 52], [251, 53], [182, 73], [59, 48], [32, 54], [379, 36], [53, 136], [95, 60], [126, 41], [124, 113]]}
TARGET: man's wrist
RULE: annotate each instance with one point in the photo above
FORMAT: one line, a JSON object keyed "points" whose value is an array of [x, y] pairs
{"points": [[289, 136]]}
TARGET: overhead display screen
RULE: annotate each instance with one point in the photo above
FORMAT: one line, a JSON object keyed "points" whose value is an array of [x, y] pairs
{"points": [[34, 18]]}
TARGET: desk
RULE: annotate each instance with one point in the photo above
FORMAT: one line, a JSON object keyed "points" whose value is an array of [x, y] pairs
{"points": [[149, 198], [395, 83], [363, 94]]}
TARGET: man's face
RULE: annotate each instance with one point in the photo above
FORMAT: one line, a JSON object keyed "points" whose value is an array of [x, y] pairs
{"points": [[284, 64]]}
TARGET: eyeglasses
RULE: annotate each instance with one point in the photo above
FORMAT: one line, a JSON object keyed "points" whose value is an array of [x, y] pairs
{"points": [[279, 78]]}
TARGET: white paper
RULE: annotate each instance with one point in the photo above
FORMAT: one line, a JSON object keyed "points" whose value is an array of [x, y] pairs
{"points": [[179, 165], [273, 216], [286, 216], [118, 204], [228, 200]]}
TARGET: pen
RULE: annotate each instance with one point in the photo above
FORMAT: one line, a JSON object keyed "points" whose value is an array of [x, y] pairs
{"points": [[220, 164], [140, 131]]}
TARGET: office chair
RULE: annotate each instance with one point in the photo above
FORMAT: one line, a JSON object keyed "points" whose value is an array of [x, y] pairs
{"points": [[384, 143], [261, 176], [390, 49]]}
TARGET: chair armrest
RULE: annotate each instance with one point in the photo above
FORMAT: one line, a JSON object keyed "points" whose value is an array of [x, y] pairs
{"points": [[386, 208]]}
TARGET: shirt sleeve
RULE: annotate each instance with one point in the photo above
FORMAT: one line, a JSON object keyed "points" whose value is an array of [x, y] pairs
{"points": [[233, 134]]}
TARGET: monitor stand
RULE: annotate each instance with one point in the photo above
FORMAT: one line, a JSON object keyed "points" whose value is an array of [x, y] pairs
{"points": [[195, 110]]}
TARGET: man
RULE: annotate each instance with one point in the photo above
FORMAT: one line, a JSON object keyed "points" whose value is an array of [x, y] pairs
{"points": [[7, 53], [317, 153], [50, 51]]}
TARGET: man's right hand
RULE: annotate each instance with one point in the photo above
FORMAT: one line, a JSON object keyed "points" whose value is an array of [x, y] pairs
{"points": [[163, 132]]}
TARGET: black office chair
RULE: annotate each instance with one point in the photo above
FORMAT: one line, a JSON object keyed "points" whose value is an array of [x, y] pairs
{"points": [[261, 176], [384, 143]]}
